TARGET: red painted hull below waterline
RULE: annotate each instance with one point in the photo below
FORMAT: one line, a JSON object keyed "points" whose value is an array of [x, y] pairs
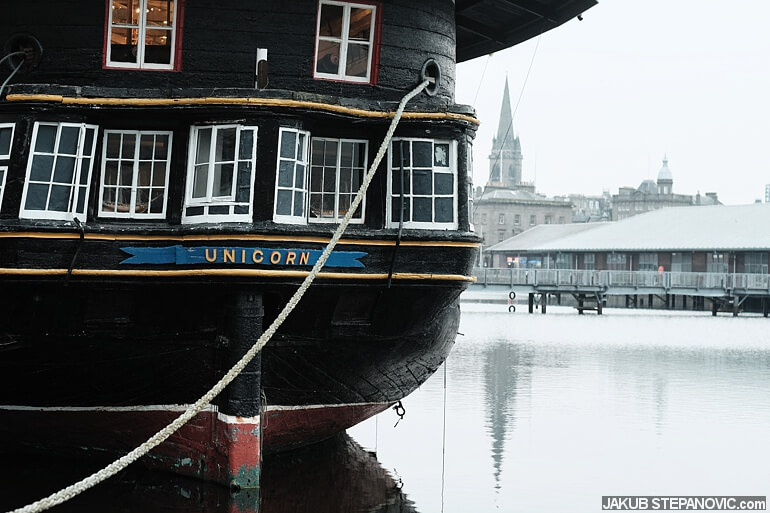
{"points": [[211, 446]]}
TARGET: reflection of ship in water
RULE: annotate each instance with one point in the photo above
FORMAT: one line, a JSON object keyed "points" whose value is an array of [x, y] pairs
{"points": [[506, 368], [334, 476]]}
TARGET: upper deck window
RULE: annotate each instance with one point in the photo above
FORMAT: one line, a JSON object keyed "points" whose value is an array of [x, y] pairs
{"points": [[429, 184], [220, 178], [58, 171], [345, 41], [291, 188], [142, 34]]}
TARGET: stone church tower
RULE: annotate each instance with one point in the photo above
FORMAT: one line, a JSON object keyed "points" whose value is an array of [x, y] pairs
{"points": [[505, 159]]}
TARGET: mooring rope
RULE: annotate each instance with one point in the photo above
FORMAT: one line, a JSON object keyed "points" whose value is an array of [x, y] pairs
{"points": [[113, 468]]}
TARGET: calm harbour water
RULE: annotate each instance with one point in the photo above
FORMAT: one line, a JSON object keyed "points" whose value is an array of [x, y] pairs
{"points": [[531, 413]]}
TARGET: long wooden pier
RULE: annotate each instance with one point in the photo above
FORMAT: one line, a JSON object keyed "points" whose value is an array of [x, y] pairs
{"points": [[726, 291]]}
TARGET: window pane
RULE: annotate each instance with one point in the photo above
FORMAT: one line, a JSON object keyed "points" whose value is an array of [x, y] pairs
{"points": [[423, 182], [441, 155], [42, 167], [46, 135], [145, 173], [444, 210], [204, 146], [146, 147], [288, 143], [328, 206], [127, 146], [244, 181], [360, 24], [331, 21], [315, 205], [330, 153], [5, 141], [159, 174], [158, 46], [299, 176], [60, 198], [396, 152], [65, 170], [126, 176], [121, 13], [68, 140], [123, 44], [285, 173], [82, 195], [283, 203], [444, 183], [110, 172], [423, 154], [160, 12], [37, 195], [396, 209], [328, 57], [345, 179], [223, 180], [316, 178], [423, 210], [396, 182], [161, 147], [142, 200], [299, 203], [225, 145], [357, 60], [200, 181], [247, 144], [346, 154], [113, 146]]}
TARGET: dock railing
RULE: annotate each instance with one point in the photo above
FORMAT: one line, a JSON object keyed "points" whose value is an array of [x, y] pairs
{"points": [[624, 282]]}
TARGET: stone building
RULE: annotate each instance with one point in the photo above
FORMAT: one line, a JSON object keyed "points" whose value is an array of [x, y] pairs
{"points": [[652, 195], [507, 206]]}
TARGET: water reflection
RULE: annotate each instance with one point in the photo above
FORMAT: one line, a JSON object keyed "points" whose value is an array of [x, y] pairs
{"points": [[335, 476]]}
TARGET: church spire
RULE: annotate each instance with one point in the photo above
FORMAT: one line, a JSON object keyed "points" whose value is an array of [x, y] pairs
{"points": [[504, 139], [505, 158]]}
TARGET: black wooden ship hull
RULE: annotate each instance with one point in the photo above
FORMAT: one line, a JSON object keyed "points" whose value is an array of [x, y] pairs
{"points": [[170, 171]]}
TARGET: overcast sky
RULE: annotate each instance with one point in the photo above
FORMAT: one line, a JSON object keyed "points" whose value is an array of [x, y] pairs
{"points": [[608, 96]]}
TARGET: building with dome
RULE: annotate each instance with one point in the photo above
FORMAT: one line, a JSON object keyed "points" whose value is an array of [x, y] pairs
{"points": [[506, 205], [652, 195]]}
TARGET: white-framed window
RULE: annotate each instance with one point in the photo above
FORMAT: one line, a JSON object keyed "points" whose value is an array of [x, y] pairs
{"points": [[501, 218], [291, 185], [517, 220], [589, 261], [345, 41], [430, 184], [220, 177], [337, 168], [59, 171], [6, 141], [135, 167], [142, 34]]}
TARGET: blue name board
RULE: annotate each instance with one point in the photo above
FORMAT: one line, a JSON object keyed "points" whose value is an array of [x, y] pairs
{"points": [[202, 255]]}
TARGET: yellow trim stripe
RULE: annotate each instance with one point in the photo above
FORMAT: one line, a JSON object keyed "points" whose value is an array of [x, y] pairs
{"points": [[233, 273], [257, 102], [233, 237]]}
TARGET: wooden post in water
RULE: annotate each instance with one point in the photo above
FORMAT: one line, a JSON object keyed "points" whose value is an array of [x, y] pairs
{"points": [[543, 302], [240, 436], [531, 302]]}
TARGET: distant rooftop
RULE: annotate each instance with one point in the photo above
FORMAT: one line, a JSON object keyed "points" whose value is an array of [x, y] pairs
{"points": [[701, 228]]}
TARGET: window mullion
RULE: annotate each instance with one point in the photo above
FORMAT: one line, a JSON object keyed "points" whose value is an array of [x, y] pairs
{"points": [[211, 164], [345, 41], [135, 177], [140, 38], [338, 172]]}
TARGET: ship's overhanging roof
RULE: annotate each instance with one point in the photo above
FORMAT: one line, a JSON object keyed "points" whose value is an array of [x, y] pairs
{"points": [[486, 26]]}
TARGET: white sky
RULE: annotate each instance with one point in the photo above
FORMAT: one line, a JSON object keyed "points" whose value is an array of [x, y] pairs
{"points": [[608, 96]]}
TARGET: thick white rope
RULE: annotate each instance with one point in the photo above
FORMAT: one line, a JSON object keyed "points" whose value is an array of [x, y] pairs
{"points": [[121, 463]]}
